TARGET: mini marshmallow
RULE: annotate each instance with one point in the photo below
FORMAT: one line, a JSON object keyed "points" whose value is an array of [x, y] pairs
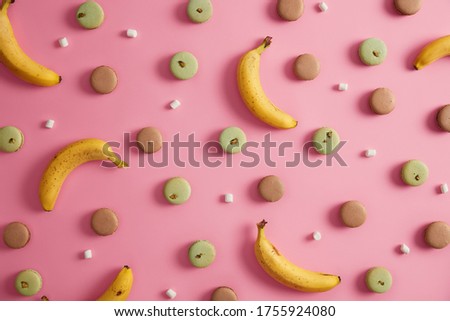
{"points": [[323, 6], [229, 198], [175, 104], [131, 33], [371, 152], [88, 254], [444, 188], [49, 124], [343, 86], [316, 235], [404, 248], [171, 293], [63, 42]]}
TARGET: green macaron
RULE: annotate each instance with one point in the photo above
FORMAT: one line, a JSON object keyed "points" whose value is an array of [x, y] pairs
{"points": [[325, 140], [199, 11], [378, 279], [90, 15], [202, 253], [11, 139], [232, 139], [28, 282], [372, 51], [414, 172], [177, 190], [183, 65]]}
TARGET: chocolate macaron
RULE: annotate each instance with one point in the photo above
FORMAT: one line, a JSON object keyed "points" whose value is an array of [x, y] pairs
{"points": [[16, 235], [104, 221]]}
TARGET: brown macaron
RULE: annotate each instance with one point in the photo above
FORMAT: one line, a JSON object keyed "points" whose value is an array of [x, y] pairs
{"points": [[149, 140], [443, 118], [382, 101], [408, 7], [224, 293], [104, 221], [437, 235], [306, 67], [353, 214], [16, 235], [103, 80], [271, 188], [290, 10]]}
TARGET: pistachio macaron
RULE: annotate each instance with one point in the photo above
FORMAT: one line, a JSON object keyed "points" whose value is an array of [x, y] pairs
{"points": [[199, 11], [372, 51], [325, 140], [202, 253], [232, 139], [414, 172], [90, 15], [28, 282], [11, 139], [183, 65], [177, 190], [378, 279]]}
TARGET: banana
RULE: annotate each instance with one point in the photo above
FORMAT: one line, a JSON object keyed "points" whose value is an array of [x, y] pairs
{"points": [[252, 92], [17, 61], [66, 160], [287, 273], [120, 288], [433, 51]]}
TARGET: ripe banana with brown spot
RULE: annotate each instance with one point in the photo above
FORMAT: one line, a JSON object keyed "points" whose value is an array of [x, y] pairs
{"points": [[16, 60], [286, 272], [253, 94], [433, 51], [120, 287], [66, 160]]}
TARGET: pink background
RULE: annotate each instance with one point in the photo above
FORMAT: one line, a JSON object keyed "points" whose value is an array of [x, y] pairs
{"points": [[153, 237]]}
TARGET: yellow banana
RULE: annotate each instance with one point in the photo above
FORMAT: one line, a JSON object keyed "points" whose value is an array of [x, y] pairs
{"points": [[120, 288], [13, 57], [287, 273], [66, 160], [252, 92], [433, 51]]}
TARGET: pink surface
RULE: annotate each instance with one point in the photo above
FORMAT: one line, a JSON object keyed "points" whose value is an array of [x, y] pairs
{"points": [[153, 237]]}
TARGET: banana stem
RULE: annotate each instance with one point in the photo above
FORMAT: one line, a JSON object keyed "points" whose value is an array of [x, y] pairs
{"points": [[5, 4], [266, 43], [261, 224]]}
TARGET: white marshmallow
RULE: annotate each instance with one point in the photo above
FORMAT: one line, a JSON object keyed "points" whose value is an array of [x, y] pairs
{"points": [[343, 86], [371, 152], [229, 198], [131, 33], [63, 42], [171, 293], [88, 254], [317, 236], [49, 124], [404, 249], [323, 6], [444, 188], [175, 104]]}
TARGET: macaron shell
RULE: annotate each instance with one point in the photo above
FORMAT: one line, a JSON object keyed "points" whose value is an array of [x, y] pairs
{"points": [[232, 139], [378, 279], [202, 253], [353, 214], [382, 101], [408, 7], [325, 140], [149, 140], [414, 173], [224, 293], [11, 139], [28, 282], [103, 80], [290, 10], [437, 235], [104, 221], [372, 51], [16, 235], [306, 67], [271, 188], [184, 65], [177, 190], [443, 118], [199, 11], [90, 15]]}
